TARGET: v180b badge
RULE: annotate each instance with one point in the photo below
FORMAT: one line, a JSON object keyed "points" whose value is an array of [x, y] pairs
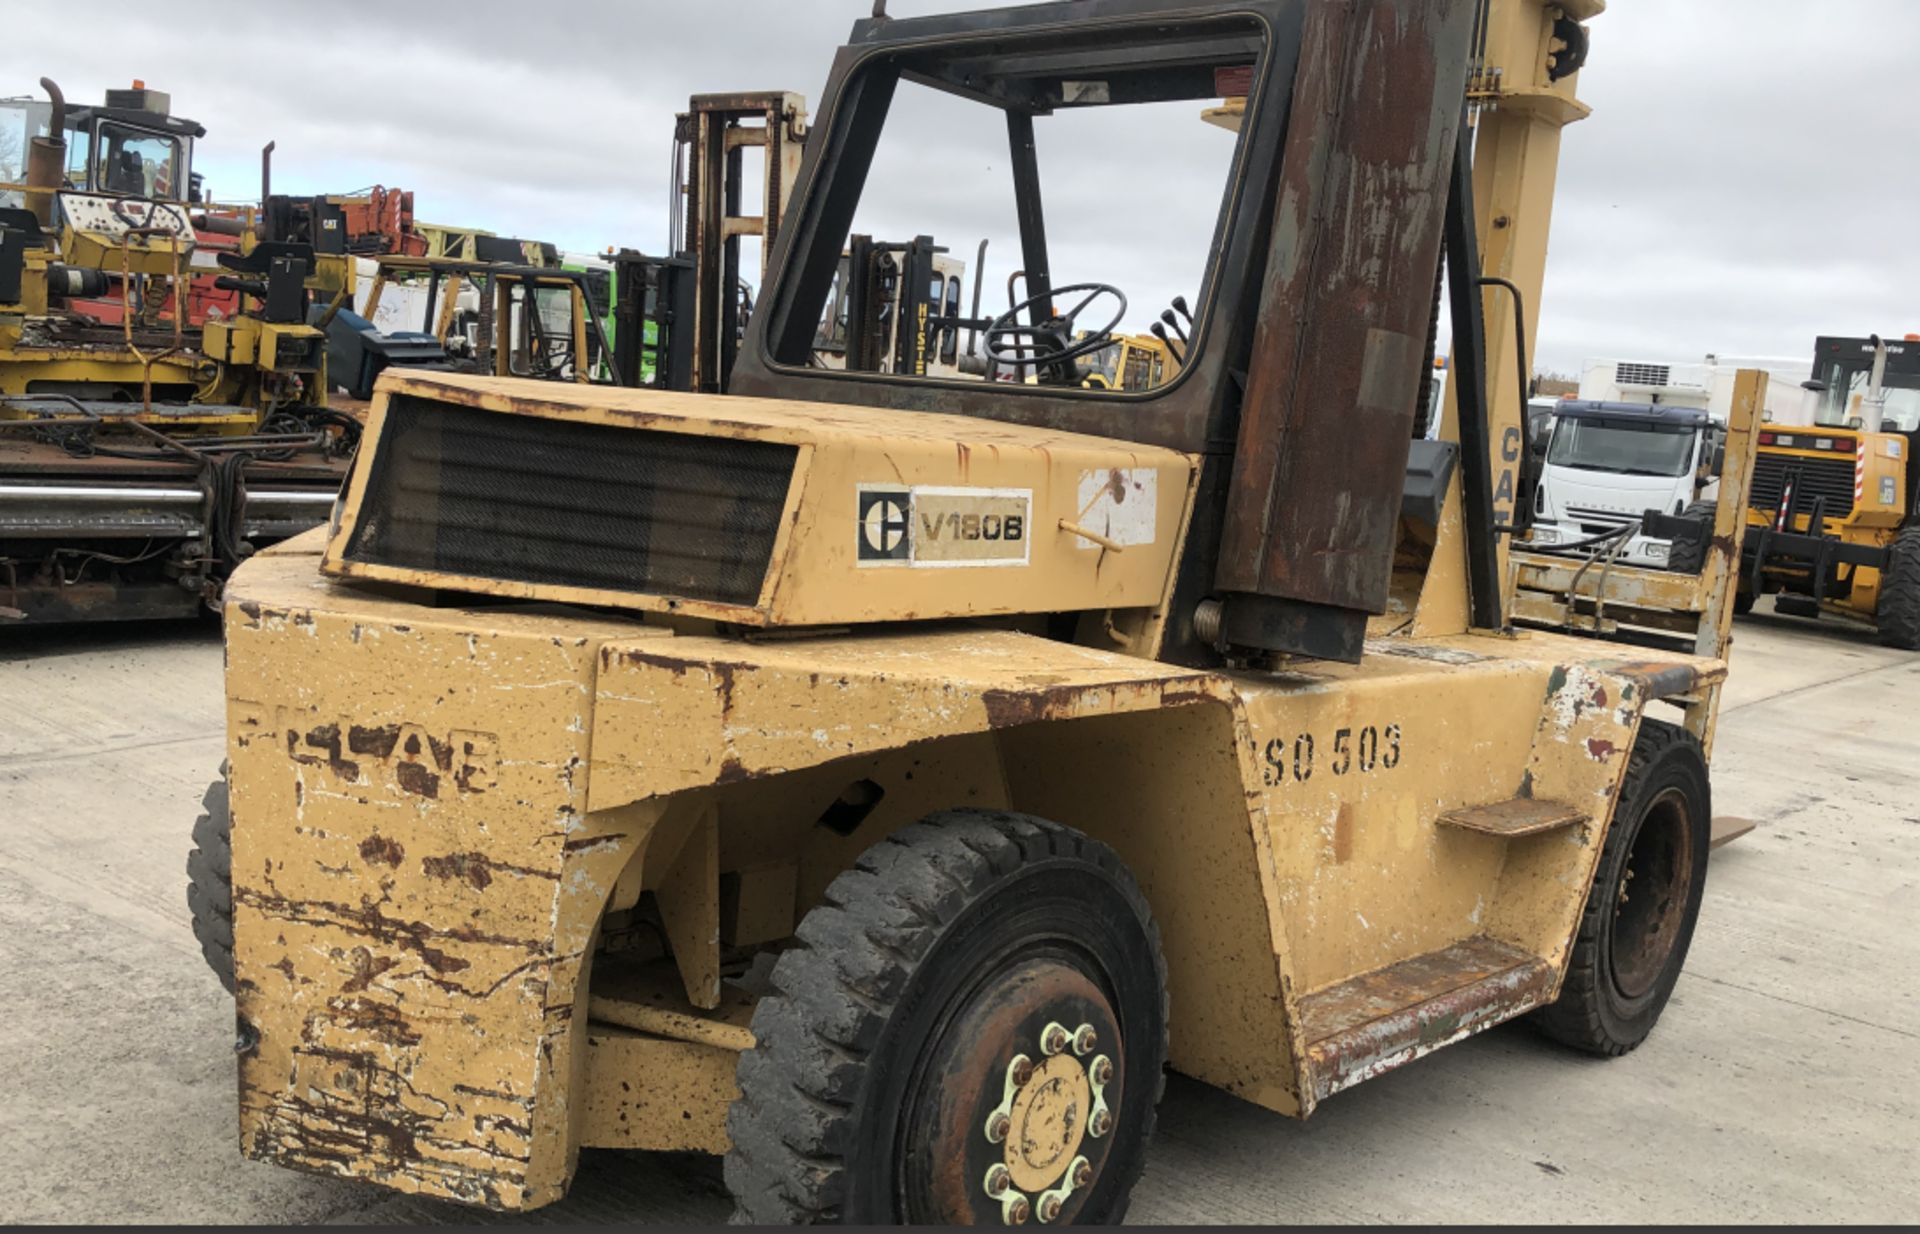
{"points": [[928, 526]]}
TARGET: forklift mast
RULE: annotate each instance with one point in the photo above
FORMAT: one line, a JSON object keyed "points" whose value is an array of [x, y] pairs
{"points": [[710, 144]]}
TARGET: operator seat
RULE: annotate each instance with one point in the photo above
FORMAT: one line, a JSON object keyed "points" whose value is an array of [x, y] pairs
{"points": [[127, 174]]}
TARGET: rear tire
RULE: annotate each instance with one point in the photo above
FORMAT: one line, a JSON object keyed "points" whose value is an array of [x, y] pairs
{"points": [[1645, 900], [1899, 612], [885, 1085], [210, 880]]}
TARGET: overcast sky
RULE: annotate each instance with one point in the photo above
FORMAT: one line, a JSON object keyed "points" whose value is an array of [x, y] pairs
{"points": [[1747, 181]]}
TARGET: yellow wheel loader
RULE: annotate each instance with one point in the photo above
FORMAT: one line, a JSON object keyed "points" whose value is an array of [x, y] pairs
{"points": [[880, 779], [1834, 524]]}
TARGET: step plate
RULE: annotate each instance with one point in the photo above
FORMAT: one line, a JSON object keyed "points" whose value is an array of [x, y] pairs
{"points": [[1523, 816], [1368, 1026]]}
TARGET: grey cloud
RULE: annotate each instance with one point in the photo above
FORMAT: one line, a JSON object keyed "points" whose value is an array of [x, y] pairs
{"points": [[1744, 183]]}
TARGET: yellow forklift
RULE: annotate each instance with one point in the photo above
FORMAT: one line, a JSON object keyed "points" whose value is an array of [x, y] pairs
{"points": [[1833, 526], [881, 778], [147, 448]]}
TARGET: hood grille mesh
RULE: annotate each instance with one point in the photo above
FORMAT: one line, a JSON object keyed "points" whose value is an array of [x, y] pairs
{"points": [[568, 503]]}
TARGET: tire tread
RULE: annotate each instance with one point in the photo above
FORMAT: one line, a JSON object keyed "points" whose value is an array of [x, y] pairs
{"points": [[1574, 1018], [1899, 610], [210, 879], [836, 986]]}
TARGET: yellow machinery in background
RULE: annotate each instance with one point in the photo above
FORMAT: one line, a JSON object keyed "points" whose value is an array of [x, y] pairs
{"points": [[142, 455], [1134, 362], [524, 321], [880, 778], [1834, 524]]}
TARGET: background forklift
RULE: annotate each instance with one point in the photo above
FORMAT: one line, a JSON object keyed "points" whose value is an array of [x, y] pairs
{"points": [[478, 316], [147, 446], [1833, 525]]}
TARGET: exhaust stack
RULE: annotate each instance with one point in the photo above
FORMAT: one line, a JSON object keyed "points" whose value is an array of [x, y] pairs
{"points": [[47, 158]]}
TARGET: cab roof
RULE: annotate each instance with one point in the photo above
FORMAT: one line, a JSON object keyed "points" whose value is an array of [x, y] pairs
{"points": [[1658, 413]]}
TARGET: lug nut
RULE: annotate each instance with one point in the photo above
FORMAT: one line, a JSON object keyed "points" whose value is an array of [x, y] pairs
{"points": [[999, 1178], [997, 1128], [1022, 1071], [1102, 1070], [1017, 1212], [1100, 1124], [1053, 1040], [1082, 1173], [1049, 1207], [1084, 1040]]}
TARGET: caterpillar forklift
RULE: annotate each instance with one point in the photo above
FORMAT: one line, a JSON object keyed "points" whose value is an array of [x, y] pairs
{"points": [[881, 778], [1834, 524], [147, 446]]}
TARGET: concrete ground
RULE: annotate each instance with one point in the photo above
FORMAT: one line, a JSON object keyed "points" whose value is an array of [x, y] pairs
{"points": [[1782, 1086]]}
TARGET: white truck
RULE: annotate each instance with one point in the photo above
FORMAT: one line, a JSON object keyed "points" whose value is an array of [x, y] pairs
{"points": [[1615, 471], [1641, 446]]}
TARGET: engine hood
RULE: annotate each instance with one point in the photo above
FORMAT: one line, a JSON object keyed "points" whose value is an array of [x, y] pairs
{"points": [[762, 512]]}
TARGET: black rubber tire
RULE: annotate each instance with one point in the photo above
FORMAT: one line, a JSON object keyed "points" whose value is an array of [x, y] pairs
{"points": [[1899, 613], [1690, 557], [210, 880], [1743, 603], [925, 917], [1594, 1012]]}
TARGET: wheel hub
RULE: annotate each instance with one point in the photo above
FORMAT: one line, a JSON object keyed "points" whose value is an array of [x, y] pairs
{"points": [[1649, 902], [1023, 1115], [1049, 1119]]}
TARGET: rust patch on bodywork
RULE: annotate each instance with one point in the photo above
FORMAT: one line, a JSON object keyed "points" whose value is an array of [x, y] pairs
{"points": [[475, 869], [1014, 707], [416, 779], [378, 742], [1374, 1023], [470, 868], [326, 739], [1659, 679], [379, 850]]}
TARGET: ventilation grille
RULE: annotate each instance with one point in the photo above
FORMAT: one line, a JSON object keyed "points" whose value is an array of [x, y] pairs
{"points": [[1818, 477], [1643, 375], [566, 503]]}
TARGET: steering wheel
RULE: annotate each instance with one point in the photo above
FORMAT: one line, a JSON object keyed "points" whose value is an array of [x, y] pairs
{"points": [[1051, 342], [123, 209]]}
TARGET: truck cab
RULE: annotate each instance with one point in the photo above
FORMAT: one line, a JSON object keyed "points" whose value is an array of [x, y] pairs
{"points": [[1609, 465]]}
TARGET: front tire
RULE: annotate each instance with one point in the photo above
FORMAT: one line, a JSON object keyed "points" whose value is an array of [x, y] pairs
{"points": [[971, 1028], [1645, 900]]}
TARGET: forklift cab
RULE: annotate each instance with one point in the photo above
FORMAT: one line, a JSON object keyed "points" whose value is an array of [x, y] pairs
{"points": [[1292, 239], [971, 138]]}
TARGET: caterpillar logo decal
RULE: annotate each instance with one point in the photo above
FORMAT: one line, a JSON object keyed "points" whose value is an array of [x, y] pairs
{"points": [[930, 527]]}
